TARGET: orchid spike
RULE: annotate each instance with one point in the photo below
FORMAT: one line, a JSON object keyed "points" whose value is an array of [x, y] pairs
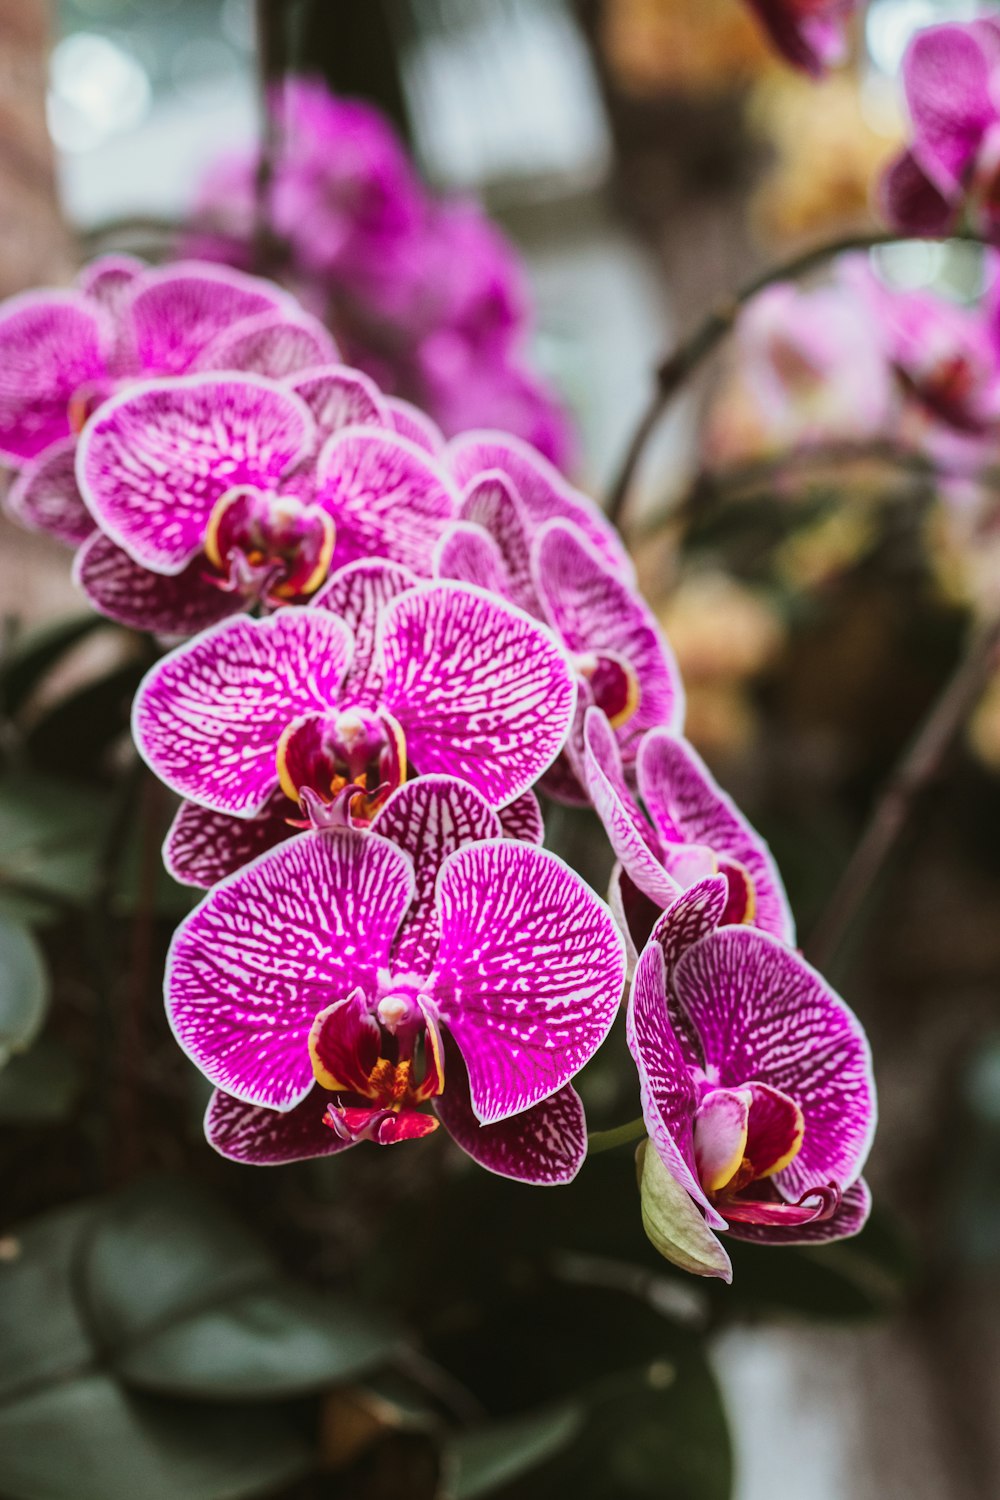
{"points": [[343, 982], [755, 1077], [686, 829]]}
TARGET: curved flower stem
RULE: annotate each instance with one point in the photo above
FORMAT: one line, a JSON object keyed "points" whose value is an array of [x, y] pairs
{"points": [[920, 764], [690, 354], [621, 1135]]}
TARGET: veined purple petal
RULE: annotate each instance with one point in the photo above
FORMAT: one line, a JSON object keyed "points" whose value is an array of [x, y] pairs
{"points": [[270, 1137], [490, 502], [695, 913], [848, 1219], [666, 1090], [481, 690], [176, 604], [387, 496], [530, 972], [430, 818], [540, 487], [631, 836], [208, 717], [410, 422], [359, 594], [681, 795], [174, 312], [45, 496], [154, 460], [522, 819], [593, 611], [340, 397], [275, 944], [946, 75], [762, 1014], [468, 554], [545, 1145], [203, 847], [275, 343], [109, 281], [52, 347]]}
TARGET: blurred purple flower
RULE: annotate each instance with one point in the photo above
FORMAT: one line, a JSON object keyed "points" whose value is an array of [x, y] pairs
{"points": [[808, 33], [755, 1077], [341, 982], [951, 78], [63, 354]]}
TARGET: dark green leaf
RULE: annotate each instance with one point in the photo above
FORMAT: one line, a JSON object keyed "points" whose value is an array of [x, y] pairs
{"points": [[89, 1439], [41, 1086], [486, 1458], [24, 988], [43, 1336], [74, 737], [51, 835], [35, 651]]}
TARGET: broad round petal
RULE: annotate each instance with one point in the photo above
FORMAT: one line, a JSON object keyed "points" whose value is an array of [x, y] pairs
{"points": [[271, 947], [481, 690], [529, 972], [174, 312], [339, 397], [468, 554], [681, 794], [169, 604], [388, 497], [359, 594], [490, 502], [154, 460], [410, 422], [45, 495], [946, 75], [269, 1137], [275, 343], [762, 1014], [208, 717], [51, 348]]}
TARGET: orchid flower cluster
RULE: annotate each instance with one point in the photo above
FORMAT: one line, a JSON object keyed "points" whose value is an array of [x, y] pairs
{"points": [[389, 645], [426, 296]]}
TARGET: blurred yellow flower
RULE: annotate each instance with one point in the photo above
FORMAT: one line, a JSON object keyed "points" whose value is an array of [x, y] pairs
{"points": [[683, 46]]}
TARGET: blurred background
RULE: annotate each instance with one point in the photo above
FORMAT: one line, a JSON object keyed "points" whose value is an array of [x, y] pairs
{"points": [[647, 156]]}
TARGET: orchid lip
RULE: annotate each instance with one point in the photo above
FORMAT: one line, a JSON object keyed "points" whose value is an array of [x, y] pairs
{"points": [[613, 684], [329, 754], [273, 546]]}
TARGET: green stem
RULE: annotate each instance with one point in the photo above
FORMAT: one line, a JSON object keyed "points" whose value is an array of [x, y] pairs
{"points": [[690, 354], [621, 1135]]}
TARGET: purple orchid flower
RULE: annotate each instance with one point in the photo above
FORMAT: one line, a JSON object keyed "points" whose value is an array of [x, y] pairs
{"points": [[808, 33], [64, 353], [343, 981], [689, 830], [623, 664], [755, 1078], [951, 78], [215, 492], [438, 679]]}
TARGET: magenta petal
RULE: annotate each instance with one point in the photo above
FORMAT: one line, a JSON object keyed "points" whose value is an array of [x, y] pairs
{"points": [[175, 604], [108, 277], [339, 397], [410, 422], [522, 819], [542, 490], [52, 346], [682, 796], [848, 1219], [275, 343], [203, 847], [592, 610], [269, 1137], [430, 818], [481, 690], [946, 74], [631, 836], [545, 1145], [387, 497], [762, 1014], [468, 554], [359, 594], [275, 944], [208, 717], [154, 460], [176, 311], [529, 972], [911, 202], [694, 914], [45, 496], [490, 502], [666, 1090]]}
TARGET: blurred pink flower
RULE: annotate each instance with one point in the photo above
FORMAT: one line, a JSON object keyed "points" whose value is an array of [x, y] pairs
{"points": [[808, 33]]}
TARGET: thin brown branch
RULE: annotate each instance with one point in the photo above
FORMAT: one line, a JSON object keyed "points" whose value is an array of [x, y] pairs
{"points": [[689, 355], [919, 767]]}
